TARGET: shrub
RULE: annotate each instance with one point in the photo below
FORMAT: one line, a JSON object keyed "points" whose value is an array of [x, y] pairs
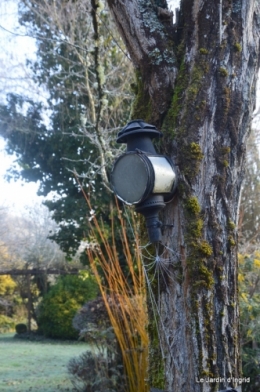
{"points": [[92, 312], [6, 324], [21, 328], [92, 372], [7, 285], [103, 368], [60, 304]]}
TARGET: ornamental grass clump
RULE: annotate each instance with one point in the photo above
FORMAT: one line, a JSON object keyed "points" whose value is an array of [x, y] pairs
{"points": [[124, 295]]}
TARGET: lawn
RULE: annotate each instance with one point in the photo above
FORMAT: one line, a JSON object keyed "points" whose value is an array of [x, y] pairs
{"points": [[36, 366]]}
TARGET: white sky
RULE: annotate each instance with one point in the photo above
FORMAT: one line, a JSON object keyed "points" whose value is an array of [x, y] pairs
{"points": [[14, 77], [16, 196]]}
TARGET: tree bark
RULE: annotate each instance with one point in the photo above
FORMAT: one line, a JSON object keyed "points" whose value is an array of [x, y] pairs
{"points": [[29, 302], [196, 82]]}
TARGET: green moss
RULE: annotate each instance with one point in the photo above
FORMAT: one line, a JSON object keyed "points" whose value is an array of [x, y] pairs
{"points": [[226, 102], [238, 47], [156, 365], [204, 373], [225, 163], [185, 87], [194, 85], [193, 205], [219, 268], [191, 156], [231, 241], [223, 72], [200, 250], [170, 122], [177, 94], [231, 225], [142, 105], [192, 91], [225, 150], [203, 51], [196, 228], [195, 151], [207, 276], [205, 248]]}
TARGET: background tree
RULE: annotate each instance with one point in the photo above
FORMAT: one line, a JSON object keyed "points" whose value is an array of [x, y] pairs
{"points": [[249, 299], [78, 62], [59, 306], [25, 246], [197, 84], [249, 213]]}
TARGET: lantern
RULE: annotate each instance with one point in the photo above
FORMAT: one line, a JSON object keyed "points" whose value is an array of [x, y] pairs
{"points": [[141, 177]]}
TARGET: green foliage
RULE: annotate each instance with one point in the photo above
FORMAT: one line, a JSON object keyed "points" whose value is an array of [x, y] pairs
{"points": [[249, 297], [77, 63], [41, 157], [7, 285], [7, 324], [60, 304], [21, 328]]}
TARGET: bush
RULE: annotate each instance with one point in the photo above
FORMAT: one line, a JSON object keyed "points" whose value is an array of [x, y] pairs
{"points": [[20, 328], [60, 304], [6, 324], [101, 370], [7, 285], [92, 312], [95, 372]]}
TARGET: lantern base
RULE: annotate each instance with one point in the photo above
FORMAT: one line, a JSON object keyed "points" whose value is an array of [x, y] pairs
{"points": [[150, 209]]}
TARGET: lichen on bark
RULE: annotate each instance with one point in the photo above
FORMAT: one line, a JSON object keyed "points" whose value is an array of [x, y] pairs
{"points": [[203, 102]]}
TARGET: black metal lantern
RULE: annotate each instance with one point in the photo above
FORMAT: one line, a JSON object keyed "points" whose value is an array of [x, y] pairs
{"points": [[141, 177]]}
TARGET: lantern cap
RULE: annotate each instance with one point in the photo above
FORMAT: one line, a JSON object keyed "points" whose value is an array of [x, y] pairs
{"points": [[137, 127]]}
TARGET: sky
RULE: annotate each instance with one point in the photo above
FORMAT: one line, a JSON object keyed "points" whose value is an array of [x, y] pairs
{"points": [[14, 77], [15, 195]]}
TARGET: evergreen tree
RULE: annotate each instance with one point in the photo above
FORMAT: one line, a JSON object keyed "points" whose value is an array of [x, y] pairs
{"points": [[78, 60]]}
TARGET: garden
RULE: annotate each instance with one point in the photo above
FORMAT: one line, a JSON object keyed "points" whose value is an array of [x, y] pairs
{"points": [[88, 301]]}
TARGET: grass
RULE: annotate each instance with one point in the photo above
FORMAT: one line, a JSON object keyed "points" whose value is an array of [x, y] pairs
{"points": [[124, 296], [36, 366]]}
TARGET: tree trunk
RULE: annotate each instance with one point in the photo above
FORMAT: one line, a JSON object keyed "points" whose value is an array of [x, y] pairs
{"points": [[29, 302], [196, 82]]}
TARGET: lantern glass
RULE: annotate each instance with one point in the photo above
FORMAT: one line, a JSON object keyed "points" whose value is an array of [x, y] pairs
{"points": [[132, 178]]}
